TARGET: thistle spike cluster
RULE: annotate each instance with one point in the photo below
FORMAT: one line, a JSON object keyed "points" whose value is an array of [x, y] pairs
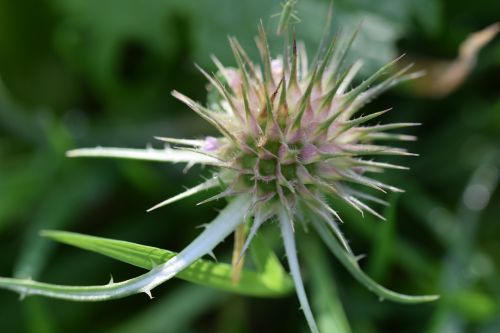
{"points": [[292, 134], [292, 140]]}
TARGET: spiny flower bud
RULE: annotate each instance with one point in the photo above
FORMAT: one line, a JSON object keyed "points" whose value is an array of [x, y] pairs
{"points": [[292, 134]]}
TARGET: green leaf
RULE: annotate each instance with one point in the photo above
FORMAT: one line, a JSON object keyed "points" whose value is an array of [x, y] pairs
{"points": [[272, 272], [330, 314], [351, 264], [270, 281]]}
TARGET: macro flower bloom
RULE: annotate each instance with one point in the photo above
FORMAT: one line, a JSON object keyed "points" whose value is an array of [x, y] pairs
{"points": [[292, 144]]}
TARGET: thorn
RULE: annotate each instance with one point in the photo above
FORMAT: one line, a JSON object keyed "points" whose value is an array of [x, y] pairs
{"points": [[111, 281], [148, 292], [22, 296], [221, 195], [358, 258], [187, 167], [211, 254]]}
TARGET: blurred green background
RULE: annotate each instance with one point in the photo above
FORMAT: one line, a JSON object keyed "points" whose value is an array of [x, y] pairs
{"points": [[80, 73]]}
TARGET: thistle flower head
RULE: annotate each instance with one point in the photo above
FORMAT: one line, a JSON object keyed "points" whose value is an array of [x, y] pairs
{"points": [[292, 135]]}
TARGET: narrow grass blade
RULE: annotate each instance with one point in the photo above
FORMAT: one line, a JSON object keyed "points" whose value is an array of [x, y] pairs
{"points": [[383, 242], [174, 313], [325, 300]]}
